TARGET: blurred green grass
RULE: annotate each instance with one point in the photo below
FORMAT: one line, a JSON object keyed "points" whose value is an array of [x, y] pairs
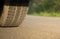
{"points": [[51, 14]]}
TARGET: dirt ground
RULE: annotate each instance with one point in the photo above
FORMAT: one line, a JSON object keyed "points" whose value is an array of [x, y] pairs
{"points": [[33, 27]]}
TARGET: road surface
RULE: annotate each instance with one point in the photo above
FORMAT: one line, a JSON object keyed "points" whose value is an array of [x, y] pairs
{"points": [[33, 27]]}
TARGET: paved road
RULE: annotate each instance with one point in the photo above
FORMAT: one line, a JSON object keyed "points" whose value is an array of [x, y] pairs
{"points": [[34, 27]]}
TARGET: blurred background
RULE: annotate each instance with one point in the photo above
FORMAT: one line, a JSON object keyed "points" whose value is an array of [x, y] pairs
{"points": [[45, 8]]}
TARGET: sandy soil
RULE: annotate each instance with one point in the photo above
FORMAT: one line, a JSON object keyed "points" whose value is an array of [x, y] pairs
{"points": [[33, 27]]}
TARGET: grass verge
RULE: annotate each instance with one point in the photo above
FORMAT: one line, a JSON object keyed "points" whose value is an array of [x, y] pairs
{"points": [[52, 14]]}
